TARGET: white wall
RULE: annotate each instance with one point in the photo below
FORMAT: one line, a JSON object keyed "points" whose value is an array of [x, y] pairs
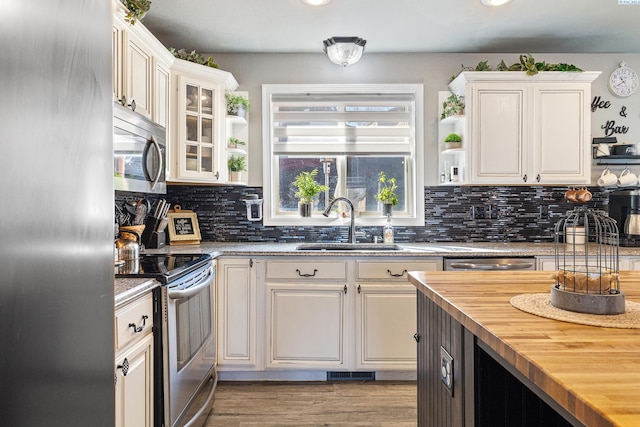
{"points": [[434, 71]]}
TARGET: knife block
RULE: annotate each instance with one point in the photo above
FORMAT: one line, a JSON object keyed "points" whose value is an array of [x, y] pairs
{"points": [[150, 229], [158, 240]]}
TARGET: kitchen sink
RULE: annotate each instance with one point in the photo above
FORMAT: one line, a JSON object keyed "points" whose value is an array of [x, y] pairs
{"points": [[449, 249], [322, 246]]}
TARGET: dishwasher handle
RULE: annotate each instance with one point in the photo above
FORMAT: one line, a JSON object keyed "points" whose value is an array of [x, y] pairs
{"points": [[469, 265]]}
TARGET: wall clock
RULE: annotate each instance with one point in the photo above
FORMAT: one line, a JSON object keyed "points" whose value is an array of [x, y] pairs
{"points": [[623, 81]]}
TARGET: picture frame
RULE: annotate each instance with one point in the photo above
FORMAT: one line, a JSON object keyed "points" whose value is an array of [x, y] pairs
{"points": [[184, 228]]}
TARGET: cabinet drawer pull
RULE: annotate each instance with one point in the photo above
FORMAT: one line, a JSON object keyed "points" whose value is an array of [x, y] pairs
{"points": [[137, 329], [538, 177], [396, 275], [524, 178], [359, 289], [345, 289], [416, 337], [307, 274]]}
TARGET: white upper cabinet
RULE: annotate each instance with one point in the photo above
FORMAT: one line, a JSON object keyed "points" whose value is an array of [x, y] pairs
{"points": [[198, 124], [527, 129], [140, 68]]}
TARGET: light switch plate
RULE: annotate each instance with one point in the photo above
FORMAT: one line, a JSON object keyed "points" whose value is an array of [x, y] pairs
{"points": [[446, 370]]}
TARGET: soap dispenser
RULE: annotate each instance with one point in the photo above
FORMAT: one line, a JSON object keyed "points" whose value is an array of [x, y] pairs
{"points": [[387, 231]]}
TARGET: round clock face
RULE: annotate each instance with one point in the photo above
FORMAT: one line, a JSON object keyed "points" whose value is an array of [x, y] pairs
{"points": [[623, 81]]}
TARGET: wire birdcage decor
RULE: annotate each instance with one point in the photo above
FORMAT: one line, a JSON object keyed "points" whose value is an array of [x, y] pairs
{"points": [[586, 255]]}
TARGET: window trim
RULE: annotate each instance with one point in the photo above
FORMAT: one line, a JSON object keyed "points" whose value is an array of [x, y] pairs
{"points": [[415, 181]]}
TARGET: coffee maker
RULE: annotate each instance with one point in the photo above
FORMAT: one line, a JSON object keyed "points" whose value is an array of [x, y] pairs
{"points": [[624, 207]]}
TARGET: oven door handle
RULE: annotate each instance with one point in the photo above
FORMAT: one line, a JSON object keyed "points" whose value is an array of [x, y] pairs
{"points": [[192, 290]]}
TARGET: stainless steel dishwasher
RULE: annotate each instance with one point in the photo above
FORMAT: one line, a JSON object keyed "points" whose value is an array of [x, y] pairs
{"points": [[489, 264]]}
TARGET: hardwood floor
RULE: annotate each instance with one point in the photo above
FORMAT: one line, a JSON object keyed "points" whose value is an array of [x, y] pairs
{"points": [[335, 404]]}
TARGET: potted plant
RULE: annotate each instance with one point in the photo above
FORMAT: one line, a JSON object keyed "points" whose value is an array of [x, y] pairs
{"points": [[452, 106], [237, 105], [234, 142], [308, 190], [453, 140], [386, 193], [236, 165]]}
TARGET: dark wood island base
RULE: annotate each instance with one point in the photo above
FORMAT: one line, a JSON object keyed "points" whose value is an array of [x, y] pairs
{"points": [[510, 368]]}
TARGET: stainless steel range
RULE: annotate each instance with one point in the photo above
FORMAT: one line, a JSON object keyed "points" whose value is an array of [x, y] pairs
{"points": [[185, 339]]}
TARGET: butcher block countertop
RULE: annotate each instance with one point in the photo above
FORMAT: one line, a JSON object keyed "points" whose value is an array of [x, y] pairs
{"points": [[592, 372]]}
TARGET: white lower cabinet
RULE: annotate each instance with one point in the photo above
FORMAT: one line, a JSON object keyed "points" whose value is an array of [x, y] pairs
{"points": [[280, 316], [237, 311], [306, 325], [134, 363], [385, 325], [633, 263], [307, 302], [355, 314], [385, 313], [625, 263]]}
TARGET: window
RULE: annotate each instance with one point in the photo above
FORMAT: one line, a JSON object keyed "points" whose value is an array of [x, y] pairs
{"points": [[349, 134]]}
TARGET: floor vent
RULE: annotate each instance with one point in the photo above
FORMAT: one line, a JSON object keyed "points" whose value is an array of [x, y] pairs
{"points": [[351, 376]]}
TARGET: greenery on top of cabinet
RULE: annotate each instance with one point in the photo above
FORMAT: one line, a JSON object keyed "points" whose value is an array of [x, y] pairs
{"points": [[137, 10], [194, 57], [527, 63]]}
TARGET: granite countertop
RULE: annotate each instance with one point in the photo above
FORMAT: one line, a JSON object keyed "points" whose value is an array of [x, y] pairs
{"points": [[592, 372], [408, 250], [126, 289], [458, 250], [129, 289]]}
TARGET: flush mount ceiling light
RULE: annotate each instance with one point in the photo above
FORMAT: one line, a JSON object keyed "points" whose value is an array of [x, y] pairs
{"points": [[316, 2], [494, 2], [344, 50]]}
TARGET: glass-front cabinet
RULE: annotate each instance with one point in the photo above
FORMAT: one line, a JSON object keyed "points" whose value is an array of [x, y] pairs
{"points": [[199, 140], [199, 131]]}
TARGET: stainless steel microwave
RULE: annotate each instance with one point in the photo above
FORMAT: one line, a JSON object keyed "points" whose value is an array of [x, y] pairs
{"points": [[139, 152]]}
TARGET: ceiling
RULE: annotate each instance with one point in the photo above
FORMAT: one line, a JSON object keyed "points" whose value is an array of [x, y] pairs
{"points": [[447, 26]]}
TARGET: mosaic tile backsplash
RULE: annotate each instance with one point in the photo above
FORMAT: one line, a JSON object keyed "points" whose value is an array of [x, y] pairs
{"points": [[452, 214]]}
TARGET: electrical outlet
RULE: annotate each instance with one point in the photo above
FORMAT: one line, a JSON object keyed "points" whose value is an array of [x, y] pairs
{"points": [[477, 212], [446, 370]]}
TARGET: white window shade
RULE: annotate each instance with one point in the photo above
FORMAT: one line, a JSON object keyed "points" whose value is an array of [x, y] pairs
{"points": [[352, 124]]}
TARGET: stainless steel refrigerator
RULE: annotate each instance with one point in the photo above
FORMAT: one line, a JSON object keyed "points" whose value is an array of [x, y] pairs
{"points": [[56, 214]]}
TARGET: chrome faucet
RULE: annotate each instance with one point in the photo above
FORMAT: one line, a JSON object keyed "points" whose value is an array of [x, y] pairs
{"points": [[352, 229]]}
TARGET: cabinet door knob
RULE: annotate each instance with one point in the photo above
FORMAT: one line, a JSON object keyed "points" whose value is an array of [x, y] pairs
{"points": [[124, 367], [416, 337]]}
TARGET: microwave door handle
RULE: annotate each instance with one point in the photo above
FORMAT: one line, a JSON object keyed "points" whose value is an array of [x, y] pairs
{"points": [[192, 290], [159, 152]]}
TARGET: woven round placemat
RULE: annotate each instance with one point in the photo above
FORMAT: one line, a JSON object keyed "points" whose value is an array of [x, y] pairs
{"points": [[540, 305]]}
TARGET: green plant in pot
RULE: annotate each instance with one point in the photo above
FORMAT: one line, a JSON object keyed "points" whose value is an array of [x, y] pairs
{"points": [[452, 106], [386, 193], [308, 191], [453, 140], [237, 105], [236, 164], [235, 142]]}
